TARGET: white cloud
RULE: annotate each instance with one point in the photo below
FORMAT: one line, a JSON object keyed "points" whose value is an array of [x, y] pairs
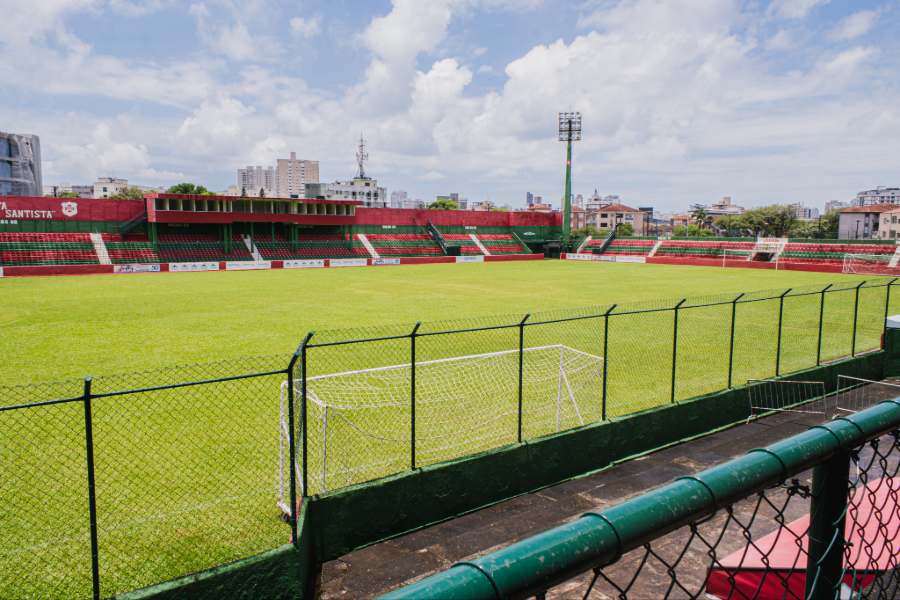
{"points": [[782, 40], [794, 9], [855, 25], [306, 27]]}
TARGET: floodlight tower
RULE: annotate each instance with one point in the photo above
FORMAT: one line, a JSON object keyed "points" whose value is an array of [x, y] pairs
{"points": [[569, 131]]}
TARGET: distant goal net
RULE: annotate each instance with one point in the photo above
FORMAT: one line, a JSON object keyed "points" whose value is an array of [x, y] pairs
{"points": [[870, 264], [360, 422]]}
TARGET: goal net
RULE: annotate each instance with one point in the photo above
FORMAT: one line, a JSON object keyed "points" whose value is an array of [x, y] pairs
{"points": [[870, 264], [359, 423]]}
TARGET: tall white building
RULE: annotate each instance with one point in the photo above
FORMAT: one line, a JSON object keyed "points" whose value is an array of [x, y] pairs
{"points": [[804, 213], [880, 195], [107, 187], [359, 188], [252, 179], [292, 175]]}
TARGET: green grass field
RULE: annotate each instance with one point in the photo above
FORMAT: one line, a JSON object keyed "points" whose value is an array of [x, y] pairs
{"points": [[186, 477]]}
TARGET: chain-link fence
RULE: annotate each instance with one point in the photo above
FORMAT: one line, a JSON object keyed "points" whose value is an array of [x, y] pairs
{"points": [[813, 516], [105, 491], [120, 482], [379, 401]]}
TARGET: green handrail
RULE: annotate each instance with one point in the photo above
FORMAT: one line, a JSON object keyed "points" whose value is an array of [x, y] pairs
{"points": [[597, 539]]}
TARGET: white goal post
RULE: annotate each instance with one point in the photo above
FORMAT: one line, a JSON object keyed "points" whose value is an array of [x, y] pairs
{"points": [[359, 421], [870, 264]]}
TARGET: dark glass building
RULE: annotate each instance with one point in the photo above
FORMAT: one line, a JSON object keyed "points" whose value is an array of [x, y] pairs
{"points": [[20, 165]]}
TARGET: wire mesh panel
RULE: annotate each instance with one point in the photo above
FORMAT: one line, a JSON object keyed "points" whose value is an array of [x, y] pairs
{"points": [[854, 394], [563, 383], [755, 339], [704, 337], [799, 332], [184, 478], [872, 529], [870, 316], [837, 323], [774, 395], [358, 413], [44, 543], [751, 549], [640, 362]]}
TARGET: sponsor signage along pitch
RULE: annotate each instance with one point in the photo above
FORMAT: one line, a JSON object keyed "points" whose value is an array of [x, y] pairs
{"points": [[386, 261], [247, 265], [193, 266], [136, 268], [347, 262], [310, 263], [469, 259]]}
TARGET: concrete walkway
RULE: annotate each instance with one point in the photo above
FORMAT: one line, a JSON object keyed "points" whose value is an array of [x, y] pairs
{"points": [[382, 567]]}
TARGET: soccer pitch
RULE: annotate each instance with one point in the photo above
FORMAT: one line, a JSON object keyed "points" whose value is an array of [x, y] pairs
{"points": [[61, 327], [186, 478]]}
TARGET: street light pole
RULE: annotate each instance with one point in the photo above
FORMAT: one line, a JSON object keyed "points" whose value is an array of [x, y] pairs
{"points": [[569, 131]]}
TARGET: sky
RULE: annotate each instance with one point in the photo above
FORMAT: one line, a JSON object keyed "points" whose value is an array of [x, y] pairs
{"points": [[683, 101]]}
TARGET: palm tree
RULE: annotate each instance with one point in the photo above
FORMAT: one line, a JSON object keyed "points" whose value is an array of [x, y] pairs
{"points": [[702, 218]]}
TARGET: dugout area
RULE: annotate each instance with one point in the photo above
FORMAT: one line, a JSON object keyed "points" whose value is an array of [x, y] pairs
{"points": [[333, 524]]}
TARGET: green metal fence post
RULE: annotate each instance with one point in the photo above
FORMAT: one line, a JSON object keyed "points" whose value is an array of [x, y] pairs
{"points": [[303, 415], [412, 395], [292, 444], [521, 371], [675, 345], [828, 507], [778, 346], [606, 354], [855, 317], [887, 306], [821, 317], [92, 496], [731, 343]]}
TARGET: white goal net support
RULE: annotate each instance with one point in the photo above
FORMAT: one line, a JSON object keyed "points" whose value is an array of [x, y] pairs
{"points": [[359, 422], [769, 396], [871, 264]]}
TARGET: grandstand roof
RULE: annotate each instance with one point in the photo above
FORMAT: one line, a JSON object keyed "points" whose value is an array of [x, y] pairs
{"points": [[873, 208]]}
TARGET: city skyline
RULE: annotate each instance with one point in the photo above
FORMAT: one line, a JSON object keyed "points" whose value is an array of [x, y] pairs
{"points": [[770, 102]]}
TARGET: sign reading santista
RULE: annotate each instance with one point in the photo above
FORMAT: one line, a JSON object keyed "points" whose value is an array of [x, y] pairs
{"points": [[33, 208]]}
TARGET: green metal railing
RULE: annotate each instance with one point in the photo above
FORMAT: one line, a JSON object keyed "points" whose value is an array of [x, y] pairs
{"points": [[597, 540]]}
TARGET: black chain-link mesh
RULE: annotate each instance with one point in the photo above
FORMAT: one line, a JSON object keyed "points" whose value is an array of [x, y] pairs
{"points": [[758, 547]]}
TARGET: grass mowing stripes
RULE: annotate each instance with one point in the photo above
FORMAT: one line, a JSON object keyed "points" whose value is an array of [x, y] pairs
{"points": [[186, 478]]}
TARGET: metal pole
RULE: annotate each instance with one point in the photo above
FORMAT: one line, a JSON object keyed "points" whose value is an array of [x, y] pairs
{"points": [[92, 495], [304, 412], [521, 371], [887, 307], [778, 346], [292, 445], [821, 317], [731, 343], [827, 517], [567, 201], [675, 346], [855, 316], [606, 353], [412, 395]]}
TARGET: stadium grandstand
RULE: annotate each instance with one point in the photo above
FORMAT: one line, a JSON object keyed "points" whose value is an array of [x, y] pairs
{"points": [[45, 236]]}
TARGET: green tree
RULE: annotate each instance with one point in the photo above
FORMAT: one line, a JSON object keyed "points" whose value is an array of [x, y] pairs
{"points": [[67, 195], [691, 230], [701, 217], [129, 193], [443, 204], [625, 229], [770, 221], [189, 188]]}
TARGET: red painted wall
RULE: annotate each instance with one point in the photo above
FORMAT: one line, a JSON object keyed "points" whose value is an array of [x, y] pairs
{"points": [[76, 209]]}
